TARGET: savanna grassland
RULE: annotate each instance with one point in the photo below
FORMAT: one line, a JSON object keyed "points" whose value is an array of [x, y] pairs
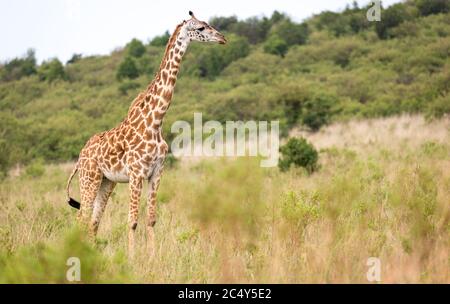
{"points": [[371, 97], [382, 190]]}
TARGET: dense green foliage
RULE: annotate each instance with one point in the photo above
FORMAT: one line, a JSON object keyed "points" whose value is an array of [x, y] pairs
{"points": [[127, 69], [299, 153], [51, 70], [331, 67], [19, 67]]}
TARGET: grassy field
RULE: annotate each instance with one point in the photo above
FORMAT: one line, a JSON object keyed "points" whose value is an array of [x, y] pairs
{"points": [[382, 190]]}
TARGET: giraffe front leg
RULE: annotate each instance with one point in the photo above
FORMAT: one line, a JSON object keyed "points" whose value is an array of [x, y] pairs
{"points": [[151, 206], [135, 196]]}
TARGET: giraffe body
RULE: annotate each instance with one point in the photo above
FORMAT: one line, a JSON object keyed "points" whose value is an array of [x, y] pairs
{"points": [[134, 151]]}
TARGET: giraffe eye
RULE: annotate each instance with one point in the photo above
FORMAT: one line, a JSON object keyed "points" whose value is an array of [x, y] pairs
{"points": [[201, 29]]}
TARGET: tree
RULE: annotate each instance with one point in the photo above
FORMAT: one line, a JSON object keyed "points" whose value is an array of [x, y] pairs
{"points": [[75, 58], [254, 29], [430, 7], [160, 40], [276, 46], [316, 112], [209, 62], [277, 17], [392, 17], [19, 67], [223, 23], [51, 70], [292, 33], [135, 48], [127, 69]]}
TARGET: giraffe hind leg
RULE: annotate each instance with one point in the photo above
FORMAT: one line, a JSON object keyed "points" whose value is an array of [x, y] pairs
{"points": [[105, 190], [90, 178]]}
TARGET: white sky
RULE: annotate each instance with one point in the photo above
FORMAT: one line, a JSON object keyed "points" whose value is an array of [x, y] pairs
{"points": [[59, 28]]}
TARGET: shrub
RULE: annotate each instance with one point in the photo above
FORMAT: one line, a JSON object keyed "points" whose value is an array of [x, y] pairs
{"points": [[391, 17], [127, 69], [126, 86], [170, 161], [300, 153], [254, 29], [316, 112], [75, 58], [211, 61], [135, 48], [160, 40], [430, 7], [47, 262], [19, 67], [291, 32], [439, 107], [300, 209], [51, 70], [276, 46], [35, 169], [223, 23]]}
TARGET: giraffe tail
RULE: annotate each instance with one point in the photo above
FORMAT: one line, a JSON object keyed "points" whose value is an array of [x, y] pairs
{"points": [[73, 203]]}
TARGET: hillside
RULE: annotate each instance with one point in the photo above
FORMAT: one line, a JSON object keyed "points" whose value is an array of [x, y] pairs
{"points": [[332, 67]]}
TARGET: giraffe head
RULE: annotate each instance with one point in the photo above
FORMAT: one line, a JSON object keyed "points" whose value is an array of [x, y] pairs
{"points": [[202, 31]]}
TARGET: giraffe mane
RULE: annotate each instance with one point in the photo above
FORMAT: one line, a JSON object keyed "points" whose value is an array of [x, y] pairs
{"points": [[171, 42]]}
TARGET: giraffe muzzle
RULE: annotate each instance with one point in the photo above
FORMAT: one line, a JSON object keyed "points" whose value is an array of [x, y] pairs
{"points": [[221, 38]]}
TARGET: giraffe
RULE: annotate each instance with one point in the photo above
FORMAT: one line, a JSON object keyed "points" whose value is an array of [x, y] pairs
{"points": [[134, 151]]}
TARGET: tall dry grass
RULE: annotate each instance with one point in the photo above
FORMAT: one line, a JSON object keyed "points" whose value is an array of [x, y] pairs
{"points": [[382, 190]]}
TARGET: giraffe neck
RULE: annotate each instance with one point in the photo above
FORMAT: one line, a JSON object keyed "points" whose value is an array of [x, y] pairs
{"points": [[160, 91]]}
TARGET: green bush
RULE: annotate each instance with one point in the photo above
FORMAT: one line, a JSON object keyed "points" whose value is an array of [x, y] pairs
{"points": [[292, 33], [36, 168], [439, 107], [11, 142], [300, 209], [276, 46], [430, 7], [126, 86], [223, 23], [47, 262], [19, 67], [300, 153], [316, 112], [127, 69], [391, 18], [135, 48], [160, 40], [51, 70], [209, 62], [253, 29], [75, 58], [170, 161]]}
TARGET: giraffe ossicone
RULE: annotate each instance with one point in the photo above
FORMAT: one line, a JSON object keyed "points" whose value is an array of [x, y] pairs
{"points": [[134, 151]]}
